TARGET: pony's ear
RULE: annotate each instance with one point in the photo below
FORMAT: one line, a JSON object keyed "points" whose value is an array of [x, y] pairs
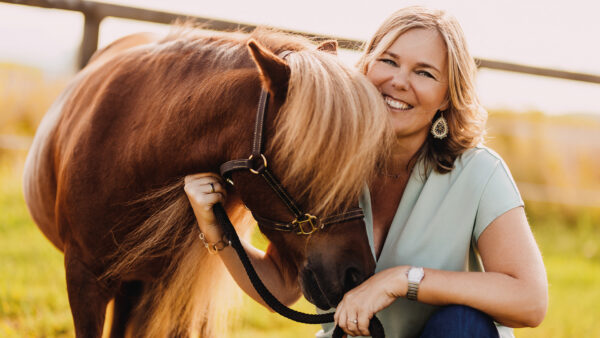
{"points": [[329, 46], [274, 72]]}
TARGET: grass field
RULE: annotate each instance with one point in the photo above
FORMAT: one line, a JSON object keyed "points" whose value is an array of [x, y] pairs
{"points": [[33, 299]]}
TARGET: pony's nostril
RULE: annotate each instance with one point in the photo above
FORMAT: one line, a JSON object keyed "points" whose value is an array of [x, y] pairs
{"points": [[352, 278]]}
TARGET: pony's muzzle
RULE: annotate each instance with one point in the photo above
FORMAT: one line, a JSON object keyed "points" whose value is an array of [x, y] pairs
{"points": [[325, 286]]}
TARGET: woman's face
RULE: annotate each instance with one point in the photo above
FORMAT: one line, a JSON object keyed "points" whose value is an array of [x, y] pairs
{"points": [[412, 76]]}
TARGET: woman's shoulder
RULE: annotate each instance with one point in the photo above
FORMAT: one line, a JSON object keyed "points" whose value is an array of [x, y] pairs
{"points": [[479, 156], [479, 164]]}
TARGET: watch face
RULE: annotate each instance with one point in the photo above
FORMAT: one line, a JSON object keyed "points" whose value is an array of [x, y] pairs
{"points": [[415, 274]]}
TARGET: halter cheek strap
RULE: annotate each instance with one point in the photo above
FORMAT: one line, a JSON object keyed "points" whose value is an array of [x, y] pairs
{"points": [[303, 223]]}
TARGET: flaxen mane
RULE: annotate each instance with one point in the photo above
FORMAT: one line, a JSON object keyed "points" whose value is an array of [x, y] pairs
{"points": [[328, 139]]}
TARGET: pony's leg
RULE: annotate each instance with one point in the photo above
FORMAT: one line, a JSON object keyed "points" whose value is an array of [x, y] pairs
{"points": [[126, 301], [88, 297]]}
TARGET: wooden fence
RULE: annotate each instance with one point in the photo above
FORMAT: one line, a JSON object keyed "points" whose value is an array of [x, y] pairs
{"points": [[95, 12]]}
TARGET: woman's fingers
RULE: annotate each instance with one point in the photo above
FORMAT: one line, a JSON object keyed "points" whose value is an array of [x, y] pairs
{"points": [[363, 324], [352, 317], [201, 175], [345, 320], [352, 326], [196, 186], [203, 179], [341, 318], [204, 190]]}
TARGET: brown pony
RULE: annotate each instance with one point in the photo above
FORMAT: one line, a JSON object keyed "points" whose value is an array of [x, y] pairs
{"points": [[104, 177]]}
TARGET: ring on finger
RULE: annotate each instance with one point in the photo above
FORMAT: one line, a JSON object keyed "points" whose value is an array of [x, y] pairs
{"points": [[355, 321], [212, 187]]}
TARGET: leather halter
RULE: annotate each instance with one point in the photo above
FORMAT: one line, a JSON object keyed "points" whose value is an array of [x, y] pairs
{"points": [[303, 223]]}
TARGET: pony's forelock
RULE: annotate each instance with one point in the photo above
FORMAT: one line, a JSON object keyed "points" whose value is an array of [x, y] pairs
{"points": [[330, 133]]}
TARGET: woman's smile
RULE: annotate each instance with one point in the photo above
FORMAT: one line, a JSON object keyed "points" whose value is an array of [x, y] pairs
{"points": [[413, 80], [396, 104]]}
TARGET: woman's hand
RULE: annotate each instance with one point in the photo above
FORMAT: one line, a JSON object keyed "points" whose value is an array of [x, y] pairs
{"points": [[358, 306], [205, 190]]}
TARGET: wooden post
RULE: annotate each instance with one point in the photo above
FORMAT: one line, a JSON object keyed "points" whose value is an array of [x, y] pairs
{"points": [[91, 30]]}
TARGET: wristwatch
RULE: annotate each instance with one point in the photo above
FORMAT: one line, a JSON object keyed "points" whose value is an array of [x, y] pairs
{"points": [[415, 276]]}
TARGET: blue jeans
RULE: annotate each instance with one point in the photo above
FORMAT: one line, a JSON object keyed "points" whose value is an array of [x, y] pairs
{"points": [[457, 321]]}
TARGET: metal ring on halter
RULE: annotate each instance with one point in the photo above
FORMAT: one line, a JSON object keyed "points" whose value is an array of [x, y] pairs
{"points": [[264, 164], [212, 187]]}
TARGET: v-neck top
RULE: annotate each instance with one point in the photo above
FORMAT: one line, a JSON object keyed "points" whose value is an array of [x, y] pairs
{"points": [[437, 224]]}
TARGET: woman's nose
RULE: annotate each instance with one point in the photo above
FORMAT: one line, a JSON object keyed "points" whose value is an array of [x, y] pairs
{"points": [[400, 80]]}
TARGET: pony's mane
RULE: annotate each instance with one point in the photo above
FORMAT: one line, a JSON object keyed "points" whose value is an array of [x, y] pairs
{"points": [[331, 131], [333, 127], [189, 35]]}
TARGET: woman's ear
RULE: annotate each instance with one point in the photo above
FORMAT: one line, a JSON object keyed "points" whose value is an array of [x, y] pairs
{"points": [[445, 105], [274, 71]]}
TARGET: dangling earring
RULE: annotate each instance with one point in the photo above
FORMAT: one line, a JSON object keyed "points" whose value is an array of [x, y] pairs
{"points": [[439, 128]]}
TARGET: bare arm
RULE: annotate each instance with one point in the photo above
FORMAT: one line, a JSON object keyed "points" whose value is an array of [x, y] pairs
{"points": [[513, 290], [267, 265]]}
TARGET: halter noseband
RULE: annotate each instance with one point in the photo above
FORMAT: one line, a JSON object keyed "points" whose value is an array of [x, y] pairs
{"points": [[303, 223]]}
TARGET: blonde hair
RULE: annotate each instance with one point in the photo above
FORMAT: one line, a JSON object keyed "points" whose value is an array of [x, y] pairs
{"points": [[465, 115], [332, 131]]}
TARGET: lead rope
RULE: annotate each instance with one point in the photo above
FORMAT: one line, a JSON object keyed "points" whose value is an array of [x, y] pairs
{"points": [[375, 326]]}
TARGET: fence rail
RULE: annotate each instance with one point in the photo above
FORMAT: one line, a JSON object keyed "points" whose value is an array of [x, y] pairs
{"points": [[95, 12]]}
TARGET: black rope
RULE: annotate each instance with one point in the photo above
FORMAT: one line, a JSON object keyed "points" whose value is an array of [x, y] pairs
{"points": [[375, 327]]}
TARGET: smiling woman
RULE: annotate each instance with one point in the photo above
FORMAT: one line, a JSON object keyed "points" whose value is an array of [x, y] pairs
{"points": [[435, 72], [411, 74], [445, 220]]}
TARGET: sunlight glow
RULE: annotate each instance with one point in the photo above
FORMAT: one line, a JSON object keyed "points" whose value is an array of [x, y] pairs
{"points": [[539, 33]]}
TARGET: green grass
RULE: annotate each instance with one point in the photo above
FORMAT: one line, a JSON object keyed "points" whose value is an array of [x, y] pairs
{"points": [[33, 298], [570, 243]]}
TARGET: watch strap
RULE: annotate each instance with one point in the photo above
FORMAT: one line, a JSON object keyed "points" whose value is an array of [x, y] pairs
{"points": [[413, 289], [415, 276]]}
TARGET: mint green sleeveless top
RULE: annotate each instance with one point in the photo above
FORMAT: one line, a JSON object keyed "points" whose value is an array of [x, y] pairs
{"points": [[438, 222]]}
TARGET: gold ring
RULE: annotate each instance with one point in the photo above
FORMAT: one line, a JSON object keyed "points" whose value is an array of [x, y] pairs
{"points": [[212, 187]]}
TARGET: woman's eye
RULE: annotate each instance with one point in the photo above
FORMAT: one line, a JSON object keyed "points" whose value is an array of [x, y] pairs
{"points": [[388, 61], [425, 73]]}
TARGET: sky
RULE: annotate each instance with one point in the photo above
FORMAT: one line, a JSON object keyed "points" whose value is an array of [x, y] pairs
{"points": [[551, 33]]}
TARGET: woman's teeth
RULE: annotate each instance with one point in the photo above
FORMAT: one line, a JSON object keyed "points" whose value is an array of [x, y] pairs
{"points": [[397, 104]]}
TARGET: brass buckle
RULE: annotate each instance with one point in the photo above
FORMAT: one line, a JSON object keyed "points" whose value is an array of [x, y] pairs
{"points": [[306, 218], [264, 161]]}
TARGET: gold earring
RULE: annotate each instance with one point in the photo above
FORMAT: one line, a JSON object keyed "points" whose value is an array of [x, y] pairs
{"points": [[439, 128]]}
